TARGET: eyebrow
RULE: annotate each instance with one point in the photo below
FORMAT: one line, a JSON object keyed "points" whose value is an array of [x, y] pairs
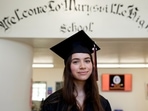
{"points": [[79, 58]]}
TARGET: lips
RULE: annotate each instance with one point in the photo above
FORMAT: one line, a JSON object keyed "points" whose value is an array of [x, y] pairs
{"points": [[83, 73]]}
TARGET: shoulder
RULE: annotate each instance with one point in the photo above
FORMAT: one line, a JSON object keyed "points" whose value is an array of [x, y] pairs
{"points": [[105, 103], [52, 102], [54, 96]]}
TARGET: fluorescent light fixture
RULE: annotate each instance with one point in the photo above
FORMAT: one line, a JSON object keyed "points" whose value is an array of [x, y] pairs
{"points": [[107, 65], [42, 65], [122, 65], [99, 65]]}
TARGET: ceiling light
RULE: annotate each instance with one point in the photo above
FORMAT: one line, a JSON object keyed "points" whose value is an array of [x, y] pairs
{"points": [[42, 65], [122, 65]]}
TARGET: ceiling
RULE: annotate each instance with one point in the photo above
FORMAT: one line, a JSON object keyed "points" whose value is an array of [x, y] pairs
{"points": [[112, 50]]}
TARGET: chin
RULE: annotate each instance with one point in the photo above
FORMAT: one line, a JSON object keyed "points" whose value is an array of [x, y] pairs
{"points": [[82, 79]]}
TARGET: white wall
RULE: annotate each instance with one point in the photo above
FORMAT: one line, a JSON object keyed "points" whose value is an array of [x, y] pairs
{"points": [[49, 75], [15, 75], [128, 101]]}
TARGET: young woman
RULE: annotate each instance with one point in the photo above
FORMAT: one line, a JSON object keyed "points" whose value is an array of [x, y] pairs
{"points": [[80, 90]]}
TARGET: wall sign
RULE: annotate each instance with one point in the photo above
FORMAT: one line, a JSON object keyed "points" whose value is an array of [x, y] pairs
{"points": [[116, 82]]}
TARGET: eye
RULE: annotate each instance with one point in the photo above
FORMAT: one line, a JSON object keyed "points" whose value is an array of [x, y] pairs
{"points": [[87, 60], [75, 61]]}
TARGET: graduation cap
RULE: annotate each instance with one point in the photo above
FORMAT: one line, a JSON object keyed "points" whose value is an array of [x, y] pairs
{"points": [[77, 43], [80, 42]]}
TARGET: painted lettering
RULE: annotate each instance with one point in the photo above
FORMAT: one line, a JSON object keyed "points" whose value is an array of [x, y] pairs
{"points": [[130, 12], [13, 20], [116, 9], [24, 14], [74, 4], [141, 23], [75, 27], [51, 6], [2, 24], [17, 15], [146, 27], [5, 23]]}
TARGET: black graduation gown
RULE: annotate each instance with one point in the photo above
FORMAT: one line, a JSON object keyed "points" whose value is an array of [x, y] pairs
{"points": [[59, 104]]}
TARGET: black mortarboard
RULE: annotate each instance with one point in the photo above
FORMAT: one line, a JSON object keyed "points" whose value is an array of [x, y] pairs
{"points": [[77, 43]]}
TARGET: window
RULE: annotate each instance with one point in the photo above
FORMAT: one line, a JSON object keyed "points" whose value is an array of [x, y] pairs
{"points": [[39, 91]]}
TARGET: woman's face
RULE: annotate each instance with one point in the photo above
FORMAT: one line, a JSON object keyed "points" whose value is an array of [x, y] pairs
{"points": [[81, 66]]}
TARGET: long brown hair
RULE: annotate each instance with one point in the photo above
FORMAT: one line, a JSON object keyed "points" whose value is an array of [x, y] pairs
{"points": [[90, 88]]}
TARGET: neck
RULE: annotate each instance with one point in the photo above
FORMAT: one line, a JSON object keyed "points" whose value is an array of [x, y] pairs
{"points": [[79, 93], [79, 86]]}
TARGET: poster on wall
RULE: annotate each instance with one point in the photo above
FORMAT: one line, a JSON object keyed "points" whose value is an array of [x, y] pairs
{"points": [[116, 82], [49, 90]]}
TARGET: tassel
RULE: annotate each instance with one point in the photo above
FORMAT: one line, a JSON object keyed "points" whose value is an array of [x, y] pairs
{"points": [[95, 62]]}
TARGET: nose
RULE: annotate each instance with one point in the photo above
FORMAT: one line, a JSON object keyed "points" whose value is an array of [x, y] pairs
{"points": [[82, 65]]}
